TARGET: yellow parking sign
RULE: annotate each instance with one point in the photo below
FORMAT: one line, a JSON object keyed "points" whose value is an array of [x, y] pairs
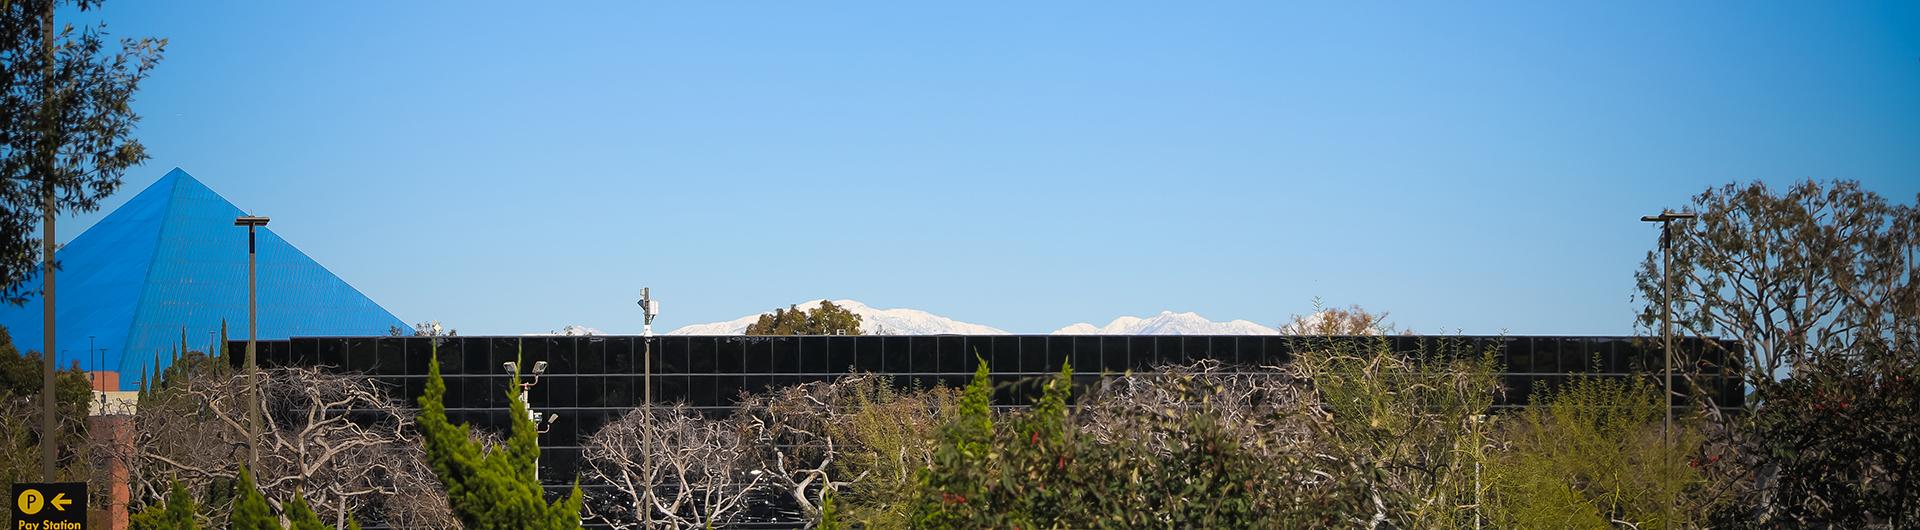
{"points": [[50, 506]]}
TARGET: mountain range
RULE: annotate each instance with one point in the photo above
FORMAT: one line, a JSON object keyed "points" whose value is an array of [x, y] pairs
{"points": [[901, 321]]}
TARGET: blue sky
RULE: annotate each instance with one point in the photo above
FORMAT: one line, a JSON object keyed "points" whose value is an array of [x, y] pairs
{"points": [[1466, 166]]}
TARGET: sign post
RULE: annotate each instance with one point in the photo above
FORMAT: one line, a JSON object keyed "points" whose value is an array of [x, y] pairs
{"points": [[50, 506]]}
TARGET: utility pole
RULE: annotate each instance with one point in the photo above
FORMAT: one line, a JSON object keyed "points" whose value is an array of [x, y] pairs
{"points": [[539, 367], [1666, 219], [252, 222], [49, 418], [649, 308]]}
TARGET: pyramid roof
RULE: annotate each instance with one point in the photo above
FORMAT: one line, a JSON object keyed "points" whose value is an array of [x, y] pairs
{"points": [[169, 265]]}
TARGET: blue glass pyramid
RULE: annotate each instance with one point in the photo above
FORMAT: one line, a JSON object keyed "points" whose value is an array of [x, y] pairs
{"points": [[170, 263]]}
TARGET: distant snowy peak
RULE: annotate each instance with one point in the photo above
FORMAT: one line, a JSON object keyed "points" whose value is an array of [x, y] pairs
{"points": [[1168, 323], [897, 321], [572, 330]]}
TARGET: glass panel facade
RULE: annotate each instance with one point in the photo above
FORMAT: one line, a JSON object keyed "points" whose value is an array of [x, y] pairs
{"points": [[592, 380]]}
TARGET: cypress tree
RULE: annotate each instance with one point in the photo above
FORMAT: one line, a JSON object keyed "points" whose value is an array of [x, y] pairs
{"points": [[250, 511], [301, 517], [490, 490], [176, 515]]}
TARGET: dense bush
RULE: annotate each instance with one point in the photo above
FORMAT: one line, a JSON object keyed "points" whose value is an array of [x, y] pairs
{"points": [[1591, 455], [1835, 447], [1411, 422], [1346, 436]]}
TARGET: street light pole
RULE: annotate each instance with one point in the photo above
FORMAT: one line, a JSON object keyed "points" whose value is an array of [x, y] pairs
{"points": [[1666, 219], [252, 222], [649, 308], [49, 419]]}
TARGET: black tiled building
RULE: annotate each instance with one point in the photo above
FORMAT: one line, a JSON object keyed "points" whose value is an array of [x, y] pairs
{"points": [[593, 380]]}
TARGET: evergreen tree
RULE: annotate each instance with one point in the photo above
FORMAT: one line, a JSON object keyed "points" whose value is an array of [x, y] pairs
{"points": [[829, 514], [250, 510], [300, 516], [953, 490], [177, 514], [490, 490]]}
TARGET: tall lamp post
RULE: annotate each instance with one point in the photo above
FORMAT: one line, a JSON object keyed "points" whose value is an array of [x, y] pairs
{"points": [[253, 223], [1666, 219], [539, 367], [649, 308]]}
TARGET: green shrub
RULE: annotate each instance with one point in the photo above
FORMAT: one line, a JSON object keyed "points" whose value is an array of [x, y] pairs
{"points": [[886, 438], [1165, 460], [176, 514], [491, 489], [1590, 455], [1410, 421]]}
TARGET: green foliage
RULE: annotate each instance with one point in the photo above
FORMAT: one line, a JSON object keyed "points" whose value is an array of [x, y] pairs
{"points": [[20, 416], [1844, 445], [1174, 467], [250, 510], [66, 124], [885, 438], [828, 319], [300, 516], [1590, 455], [1154, 445], [176, 514], [951, 490], [1411, 421], [830, 518], [1798, 275], [1816, 283], [490, 489]]}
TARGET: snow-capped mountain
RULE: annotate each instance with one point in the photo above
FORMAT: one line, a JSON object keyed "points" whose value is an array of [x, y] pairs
{"points": [[1168, 323], [898, 321], [572, 330]]}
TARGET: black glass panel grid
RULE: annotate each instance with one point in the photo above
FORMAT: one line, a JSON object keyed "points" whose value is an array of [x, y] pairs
{"points": [[591, 355], [731, 354], [841, 352], [786, 355], [361, 354], [593, 380], [1086, 354], [954, 357], [813, 355]]}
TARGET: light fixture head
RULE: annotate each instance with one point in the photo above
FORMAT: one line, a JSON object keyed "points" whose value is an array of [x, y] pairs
{"points": [[251, 220], [539, 367], [1668, 215], [512, 367]]}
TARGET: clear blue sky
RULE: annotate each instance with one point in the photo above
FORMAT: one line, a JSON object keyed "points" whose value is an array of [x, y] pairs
{"points": [[508, 168]]}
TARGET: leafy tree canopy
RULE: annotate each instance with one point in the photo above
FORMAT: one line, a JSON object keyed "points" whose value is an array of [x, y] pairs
{"points": [[66, 123], [828, 319], [1819, 271]]}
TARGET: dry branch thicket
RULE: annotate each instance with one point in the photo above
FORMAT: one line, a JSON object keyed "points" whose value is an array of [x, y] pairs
{"points": [[337, 439]]}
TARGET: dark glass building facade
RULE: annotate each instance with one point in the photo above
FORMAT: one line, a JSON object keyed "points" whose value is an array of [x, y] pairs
{"points": [[593, 380]]}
